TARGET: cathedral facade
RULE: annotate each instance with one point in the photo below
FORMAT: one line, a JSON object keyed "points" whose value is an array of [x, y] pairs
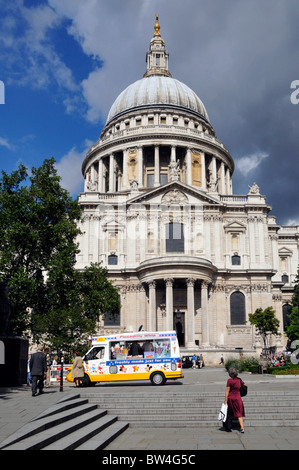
{"points": [[159, 212]]}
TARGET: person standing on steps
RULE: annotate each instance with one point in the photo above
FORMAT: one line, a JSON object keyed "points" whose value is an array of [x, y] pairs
{"points": [[234, 401], [38, 370]]}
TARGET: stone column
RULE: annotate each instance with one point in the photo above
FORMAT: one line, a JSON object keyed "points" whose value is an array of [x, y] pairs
{"points": [[252, 240], [141, 310], [204, 314], [189, 167], [123, 309], [157, 166], [227, 180], [125, 169], [190, 340], [222, 189], [152, 307], [173, 153], [169, 303], [274, 251], [203, 171], [140, 167], [111, 173], [85, 243], [92, 170], [100, 176], [214, 169]]}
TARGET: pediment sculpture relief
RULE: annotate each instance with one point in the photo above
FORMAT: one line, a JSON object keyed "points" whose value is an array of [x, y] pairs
{"points": [[174, 197]]}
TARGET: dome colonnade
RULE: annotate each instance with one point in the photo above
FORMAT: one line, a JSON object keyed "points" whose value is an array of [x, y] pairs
{"points": [[156, 129]]}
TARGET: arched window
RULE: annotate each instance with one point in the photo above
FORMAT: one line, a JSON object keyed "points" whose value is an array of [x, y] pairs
{"points": [[112, 260], [112, 319], [237, 308], [285, 315], [174, 238], [285, 278], [236, 260]]}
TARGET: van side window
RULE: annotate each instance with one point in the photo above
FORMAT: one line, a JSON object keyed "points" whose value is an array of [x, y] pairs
{"points": [[135, 349], [162, 348], [95, 353], [118, 350]]}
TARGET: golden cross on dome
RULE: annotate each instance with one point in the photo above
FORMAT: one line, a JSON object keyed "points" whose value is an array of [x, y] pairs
{"points": [[157, 27]]}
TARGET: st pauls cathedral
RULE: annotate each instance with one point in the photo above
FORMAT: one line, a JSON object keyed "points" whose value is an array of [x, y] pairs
{"points": [[159, 212]]}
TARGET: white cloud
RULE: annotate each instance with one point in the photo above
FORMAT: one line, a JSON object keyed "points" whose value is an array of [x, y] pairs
{"points": [[28, 50], [69, 169], [293, 222], [97, 95], [104, 31], [5, 143], [250, 162]]}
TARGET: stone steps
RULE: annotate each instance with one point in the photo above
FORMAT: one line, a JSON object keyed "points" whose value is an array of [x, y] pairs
{"points": [[158, 409], [92, 419], [71, 424]]}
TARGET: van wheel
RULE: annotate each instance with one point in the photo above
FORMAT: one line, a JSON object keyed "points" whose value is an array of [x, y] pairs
{"points": [[157, 378]]}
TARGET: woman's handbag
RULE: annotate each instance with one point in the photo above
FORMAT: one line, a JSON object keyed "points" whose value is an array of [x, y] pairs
{"points": [[243, 388], [223, 413]]}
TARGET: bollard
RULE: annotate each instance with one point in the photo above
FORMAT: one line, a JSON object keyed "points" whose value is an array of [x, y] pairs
{"points": [[61, 375]]}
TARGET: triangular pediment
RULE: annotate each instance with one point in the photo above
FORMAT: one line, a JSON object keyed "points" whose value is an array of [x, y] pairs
{"points": [[235, 226], [109, 224], [284, 251], [174, 192]]}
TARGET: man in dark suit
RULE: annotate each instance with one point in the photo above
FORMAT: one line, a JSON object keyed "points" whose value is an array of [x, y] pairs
{"points": [[38, 369]]}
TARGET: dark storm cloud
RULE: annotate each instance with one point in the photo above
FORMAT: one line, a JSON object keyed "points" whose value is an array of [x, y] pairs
{"points": [[239, 56], [241, 61]]}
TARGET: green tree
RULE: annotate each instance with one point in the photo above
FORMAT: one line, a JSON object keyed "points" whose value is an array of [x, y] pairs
{"points": [[38, 231], [265, 322], [38, 219], [292, 329], [75, 301]]}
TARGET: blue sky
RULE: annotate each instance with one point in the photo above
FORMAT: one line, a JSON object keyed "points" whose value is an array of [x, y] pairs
{"points": [[64, 62]]}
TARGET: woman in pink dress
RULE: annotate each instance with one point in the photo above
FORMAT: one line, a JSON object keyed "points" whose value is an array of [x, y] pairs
{"points": [[233, 399]]}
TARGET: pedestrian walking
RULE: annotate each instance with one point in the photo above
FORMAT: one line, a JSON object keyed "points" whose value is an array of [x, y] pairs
{"points": [[38, 370], [49, 363], [193, 361], [29, 379], [200, 360], [221, 360], [234, 401], [78, 369]]}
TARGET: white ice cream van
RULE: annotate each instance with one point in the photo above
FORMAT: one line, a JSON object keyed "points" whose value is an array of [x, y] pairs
{"points": [[153, 356]]}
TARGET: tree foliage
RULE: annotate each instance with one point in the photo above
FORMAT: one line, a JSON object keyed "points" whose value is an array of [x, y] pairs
{"points": [[265, 322], [38, 230], [292, 329], [74, 303]]}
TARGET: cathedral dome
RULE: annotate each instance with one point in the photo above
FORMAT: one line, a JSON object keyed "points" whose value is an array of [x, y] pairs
{"points": [[157, 90]]}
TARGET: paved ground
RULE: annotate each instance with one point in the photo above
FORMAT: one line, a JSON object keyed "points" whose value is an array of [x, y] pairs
{"points": [[18, 407]]}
